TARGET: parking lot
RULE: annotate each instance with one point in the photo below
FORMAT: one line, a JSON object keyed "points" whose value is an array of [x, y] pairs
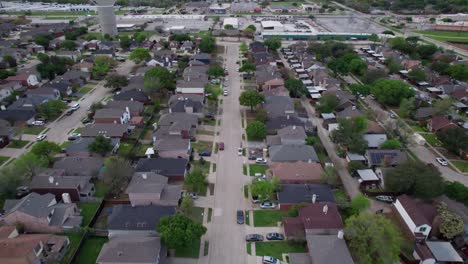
{"points": [[349, 24]]}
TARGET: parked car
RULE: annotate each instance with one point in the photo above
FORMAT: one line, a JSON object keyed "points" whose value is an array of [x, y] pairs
{"points": [[205, 153], [274, 236], [69, 112], [240, 217], [253, 238], [239, 152], [74, 136], [225, 93], [260, 175], [221, 145], [37, 123], [75, 107], [270, 260], [442, 162], [41, 137], [193, 195], [384, 198], [261, 161], [120, 59], [268, 205]]}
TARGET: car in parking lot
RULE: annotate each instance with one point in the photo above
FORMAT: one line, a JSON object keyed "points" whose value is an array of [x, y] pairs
{"points": [[37, 123], [442, 162], [270, 260], [239, 152], [240, 217], [261, 161], [41, 137], [205, 153], [268, 205], [274, 236], [253, 238]]}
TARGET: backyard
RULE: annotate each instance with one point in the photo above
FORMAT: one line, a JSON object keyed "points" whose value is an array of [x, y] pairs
{"points": [[88, 210], [268, 217], [74, 241], [276, 249], [90, 249]]}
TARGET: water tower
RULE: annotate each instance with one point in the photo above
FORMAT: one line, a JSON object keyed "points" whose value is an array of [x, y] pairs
{"points": [[105, 9]]}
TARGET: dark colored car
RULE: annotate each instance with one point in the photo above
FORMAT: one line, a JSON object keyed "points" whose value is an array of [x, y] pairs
{"points": [[205, 153], [274, 236], [69, 112], [240, 217], [253, 238], [221, 146]]}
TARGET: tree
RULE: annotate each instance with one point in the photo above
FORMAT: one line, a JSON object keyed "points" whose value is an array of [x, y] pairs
{"points": [[139, 54], [366, 233], [359, 204], [248, 67], [328, 103], [457, 191], [249, 32], [152, 86], [51, 109], [46, 149], [186, 206], [10, 60], [360, 89], [374, 38], [295, 87], [453, 139], [251, 98], [264, 190], [388, 32], [181, 37], [101, 145], [117, 173], [207, 44], [393, 66], [350, 134], [195, 181], [391, 92], [43, 40], [355, 165], [373, 75], [256, 131], [329, 175], [116, 81], [68, 44], [357, 66], [216, 71], [417, 75], [406, 107], [294, 210], [243, 47], [452, 223], [140, 36], [273, 43], [101, 66], [391, 144], [426, 51], [459, 72], [414, 178], [163, 75], [125, 42], [228, 26], [443, 106], [178, 231], [252, 27]]}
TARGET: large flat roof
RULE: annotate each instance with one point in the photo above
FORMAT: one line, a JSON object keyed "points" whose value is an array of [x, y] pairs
{"points": [[270, 23]]}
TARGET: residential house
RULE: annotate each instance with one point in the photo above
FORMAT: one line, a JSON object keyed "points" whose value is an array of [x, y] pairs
{"points": [[298, 172], [174, 169], [257, 47], [436, 252], [128, 220], [410, 64], [292, 194], [112, 115], [375, 140], [368, 177], [83, 66], [273, 124], [187, 46], [64, 88], [72, 55], [45, 93], [292, 153], [326, 249], [103, 52], [25, 79], [135, 108], [132, 249], [295, 135], [6, 89], [18, 117], [278, 106], [132, 95], [148, 188], [134, 83], [261, 58], [6, 132], [77, 187], [80, 166], [424, 113], [185, 104], [191, 86], [107, 130], [41, 214], [314, 219], [349, 112], [272, 84], [415, 217], [79, 147], [439, 123], [31, 248], [266, 74], [203, 57], [385, 157]]}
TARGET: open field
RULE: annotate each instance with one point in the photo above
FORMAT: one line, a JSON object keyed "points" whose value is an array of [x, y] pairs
{"points": [[445, 36]]}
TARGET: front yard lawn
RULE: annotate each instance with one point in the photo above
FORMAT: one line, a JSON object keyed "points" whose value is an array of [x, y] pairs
{"points": [[431, 139], [124, 149], [268, 217], [202, 146], [17, 144], [33, 130], [461, 165], [190, 251], [256, 168], [74, 241], [90, 250], [85, 90], [276, 249], [418, 128], [203, 165], [3, 159], [88, 210], [205, 132], [197, 214]]}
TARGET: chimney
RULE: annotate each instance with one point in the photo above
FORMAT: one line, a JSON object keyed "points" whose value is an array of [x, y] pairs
{"points": [[340, 234], [144, 176], [287, 117], [353, 107], [51, 179], [325, 209], [294, 127], [314, 198]]}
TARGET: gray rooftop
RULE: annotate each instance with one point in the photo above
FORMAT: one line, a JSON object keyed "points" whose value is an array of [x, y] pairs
{"points": [[80, 145], [127, 217], [328, 249], [291, 153], [74, 166], [109, 113], [130, 249], [62, 182], [443, 251], [110, 130]]}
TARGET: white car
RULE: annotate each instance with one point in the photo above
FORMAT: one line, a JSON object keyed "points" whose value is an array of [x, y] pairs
{"points": [[260, 175], [442, 161], [261, 161], [38, 123], [225, 93], [268, 205], [270, 260], [41, 137], [75, 107], [239, 152]]}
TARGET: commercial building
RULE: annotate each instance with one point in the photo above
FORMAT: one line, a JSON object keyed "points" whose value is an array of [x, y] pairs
{"points": [[234, 22]]}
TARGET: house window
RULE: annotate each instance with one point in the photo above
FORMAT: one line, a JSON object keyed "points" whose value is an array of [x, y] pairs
{"points": [[422, 229]]}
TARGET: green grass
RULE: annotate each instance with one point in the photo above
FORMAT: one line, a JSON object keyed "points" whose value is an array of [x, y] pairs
{"points": [[209, 122], [431, 139], [78, 130], [210, 214], [247, 217], [205, 166], [249, 248], [461, 165], [256, 168], [276, 249], [101, 189], [190, 251], [88, 210], [197, 214], [65, 144], [202, 145], [205, 132], [90, 250], [244, 169], [3, 159], [33, 130], [85, 90], [418, 128], [124, 149], [141, 149], [17, 144], [246, 191], [268, 217], [74, 241], [445, 36], [340, 196], [6, 164]]}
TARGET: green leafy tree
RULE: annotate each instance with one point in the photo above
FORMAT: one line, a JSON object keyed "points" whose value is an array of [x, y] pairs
{"points": [[216, 71], [163, 75], [101, 145], [140, 36], [46, 149], [366, 233], [459, 72], [43, 40], [350, 134], [179, 232], [51, 109], [357, 66], [417, 75], [359, 204], [195, 181], [101, 66], [393, 66], [294, 210], [453, 139], [186, 206], [452, 223], [117, 173], [328, 103], [243, 47], [207, 44], [295, 87], [406, 107], [329, 175], [391, 144], [10, 60], [457, 191], [264, 190], [248, 67], [391, 92], [372, 76], [251, 98], [125, 42], [249, 32], [181, 37], [355, 165], [256, 131], [273, 44], [443, 106], [152, 86], [68, 44], [252, 27], [426, 51], [116, 81], [228, 26], [374, 38], [415, 178], [139, 54], [360, 89]]}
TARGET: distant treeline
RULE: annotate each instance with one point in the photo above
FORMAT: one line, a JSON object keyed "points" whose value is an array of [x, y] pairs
{"points": [[152, 3], [413, 6]]}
